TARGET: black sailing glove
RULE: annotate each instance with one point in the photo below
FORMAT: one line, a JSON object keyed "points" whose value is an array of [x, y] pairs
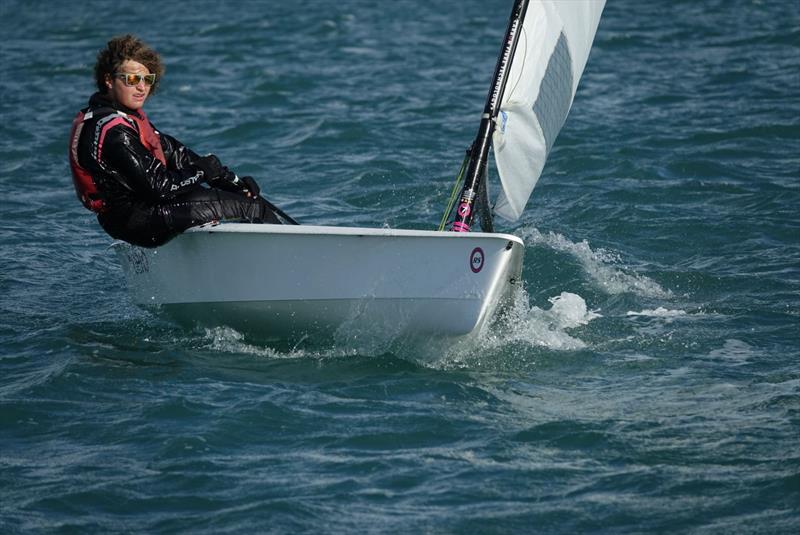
{"points": [[251, 186], [211, 167], [220, 177], [228, 181], [244, 185]]}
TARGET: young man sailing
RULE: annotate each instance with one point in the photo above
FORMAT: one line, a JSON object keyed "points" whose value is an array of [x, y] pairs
{"points": [[145, 186]]}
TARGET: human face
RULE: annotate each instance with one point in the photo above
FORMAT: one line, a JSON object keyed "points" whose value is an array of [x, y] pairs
{"points": [[131, 97]]}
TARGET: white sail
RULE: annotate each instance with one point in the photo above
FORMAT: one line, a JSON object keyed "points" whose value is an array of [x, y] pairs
{"points": [[553, 48]]}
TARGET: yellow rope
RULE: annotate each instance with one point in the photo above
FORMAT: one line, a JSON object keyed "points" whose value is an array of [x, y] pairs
{"points": [[454, 193]]}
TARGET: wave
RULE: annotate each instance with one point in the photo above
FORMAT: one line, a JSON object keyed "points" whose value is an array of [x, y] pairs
{"points": [[548, 327], [523, 326], [602, 266], [659, 312], [229, 340]]}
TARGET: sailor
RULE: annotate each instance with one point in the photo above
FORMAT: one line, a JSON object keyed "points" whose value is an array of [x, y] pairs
{"points": [[145, 186]]}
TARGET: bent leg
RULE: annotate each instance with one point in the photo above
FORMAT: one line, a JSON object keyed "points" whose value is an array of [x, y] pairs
{"points": [[203, 205], [151, 226]]}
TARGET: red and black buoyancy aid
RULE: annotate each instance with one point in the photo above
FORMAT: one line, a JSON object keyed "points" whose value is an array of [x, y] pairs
{"points": [[85, 186]]}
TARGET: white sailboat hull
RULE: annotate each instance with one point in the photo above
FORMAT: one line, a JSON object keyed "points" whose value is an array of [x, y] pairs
{"points": [[299, 282]]}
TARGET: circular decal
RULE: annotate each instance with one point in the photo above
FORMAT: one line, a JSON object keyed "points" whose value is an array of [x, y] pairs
{"points": [[464, 209], [476, 260]]}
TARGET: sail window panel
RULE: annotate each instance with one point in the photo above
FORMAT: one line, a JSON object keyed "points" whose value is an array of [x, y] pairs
{"points": [[555, 95]]}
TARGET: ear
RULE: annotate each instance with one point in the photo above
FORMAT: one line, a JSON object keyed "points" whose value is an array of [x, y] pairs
{"points": [[108, 81]]}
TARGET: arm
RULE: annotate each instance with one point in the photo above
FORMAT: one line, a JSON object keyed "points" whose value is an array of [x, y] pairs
{"points": [[178, 155], [145, 175]]}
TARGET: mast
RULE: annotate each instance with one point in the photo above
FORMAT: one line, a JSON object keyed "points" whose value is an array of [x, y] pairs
{"points": [[474, 191]]}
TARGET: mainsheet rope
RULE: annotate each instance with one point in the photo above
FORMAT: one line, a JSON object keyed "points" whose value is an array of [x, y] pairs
{"points": [[454, 193]]}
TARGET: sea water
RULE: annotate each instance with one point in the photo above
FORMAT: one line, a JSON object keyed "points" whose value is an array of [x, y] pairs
{"points": [[645, 379]]}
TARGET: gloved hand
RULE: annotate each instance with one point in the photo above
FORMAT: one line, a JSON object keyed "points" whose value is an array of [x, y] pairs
{"points": [[211, 167], [251, 186], [220, 177], [230, 182], [227, 181]]}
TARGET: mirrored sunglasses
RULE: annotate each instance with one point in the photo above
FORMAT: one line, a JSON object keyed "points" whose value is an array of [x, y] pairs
{"points": [[131, 79]]}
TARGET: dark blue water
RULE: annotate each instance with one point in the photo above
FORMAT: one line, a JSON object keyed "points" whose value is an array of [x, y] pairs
{"points": [[647, 380]]}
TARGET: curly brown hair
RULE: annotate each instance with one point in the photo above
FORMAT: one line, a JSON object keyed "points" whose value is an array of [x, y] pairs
{"points": [[123, 48]]}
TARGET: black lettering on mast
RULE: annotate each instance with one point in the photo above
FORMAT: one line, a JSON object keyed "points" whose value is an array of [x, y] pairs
{"points": [[479, 151]]}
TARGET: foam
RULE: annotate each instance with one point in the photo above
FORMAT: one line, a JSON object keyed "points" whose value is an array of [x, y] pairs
{"points": [[544, 327], [600, 265], [659, 312], [228, 340]]}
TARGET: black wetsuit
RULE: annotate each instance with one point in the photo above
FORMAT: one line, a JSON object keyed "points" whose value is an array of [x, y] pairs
{"points": [[143, 201]]}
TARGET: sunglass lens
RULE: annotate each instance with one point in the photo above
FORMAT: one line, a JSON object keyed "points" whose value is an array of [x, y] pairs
{"points": [[132, 79]]}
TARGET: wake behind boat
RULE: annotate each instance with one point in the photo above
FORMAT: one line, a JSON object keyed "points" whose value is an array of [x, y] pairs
{"points": [[297, 282]]}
